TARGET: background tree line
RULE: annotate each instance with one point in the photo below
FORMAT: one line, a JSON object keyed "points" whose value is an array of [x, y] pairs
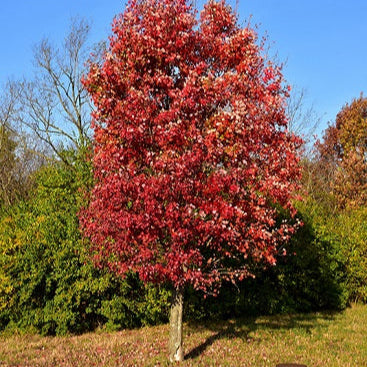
{"points": [[47, 281]]}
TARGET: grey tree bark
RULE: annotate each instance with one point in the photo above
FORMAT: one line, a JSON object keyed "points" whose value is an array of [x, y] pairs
{"points": [[176, 353]]}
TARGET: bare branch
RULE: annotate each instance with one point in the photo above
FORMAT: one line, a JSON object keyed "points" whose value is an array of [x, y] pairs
{"points": [[55, 105], [301, 120]]}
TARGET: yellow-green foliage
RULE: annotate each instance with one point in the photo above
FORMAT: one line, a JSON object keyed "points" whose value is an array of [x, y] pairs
{"points": [[5, 283], [349, 231], [47, 280], [343, 234]]}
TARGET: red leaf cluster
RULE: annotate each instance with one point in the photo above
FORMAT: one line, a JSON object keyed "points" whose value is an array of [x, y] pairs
{"points": [[192, 154]]}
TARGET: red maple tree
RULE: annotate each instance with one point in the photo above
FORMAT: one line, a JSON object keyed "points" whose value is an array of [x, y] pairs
{"points": [[192, 154]]}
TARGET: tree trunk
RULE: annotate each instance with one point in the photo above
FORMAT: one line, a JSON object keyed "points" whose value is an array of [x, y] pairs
{"points": [[176, 353]]}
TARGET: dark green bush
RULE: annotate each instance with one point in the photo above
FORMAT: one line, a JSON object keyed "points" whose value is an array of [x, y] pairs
{"points": [[312, 276]]}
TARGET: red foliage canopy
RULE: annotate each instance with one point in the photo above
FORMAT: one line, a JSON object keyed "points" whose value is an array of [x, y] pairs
{"points": [[192, 154]]}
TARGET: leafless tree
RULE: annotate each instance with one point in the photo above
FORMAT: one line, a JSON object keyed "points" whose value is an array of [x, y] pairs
{"points": [[54, 105], [21, 154], [12, 180], [302, 120], [7, 165], [8, 106]]}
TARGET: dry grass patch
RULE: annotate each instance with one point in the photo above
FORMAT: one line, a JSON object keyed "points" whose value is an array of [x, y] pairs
{"points": [[319, 339]]}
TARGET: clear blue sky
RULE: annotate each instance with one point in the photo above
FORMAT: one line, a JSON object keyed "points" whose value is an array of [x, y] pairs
{"points": [[323, 42]]}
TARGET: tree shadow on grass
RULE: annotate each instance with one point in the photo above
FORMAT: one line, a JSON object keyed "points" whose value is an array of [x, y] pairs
{"points": [[200, 349], [223, 330], [243, 327]]}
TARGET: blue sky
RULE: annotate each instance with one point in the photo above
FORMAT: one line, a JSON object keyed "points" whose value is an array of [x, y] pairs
{"points": [[323, 43]]}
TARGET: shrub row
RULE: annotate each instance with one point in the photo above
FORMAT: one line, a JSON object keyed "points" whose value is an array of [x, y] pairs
{"points": [[48, 284]]}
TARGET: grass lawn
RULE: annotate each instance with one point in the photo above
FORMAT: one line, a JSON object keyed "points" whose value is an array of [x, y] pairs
{"points": [[318, 339]]}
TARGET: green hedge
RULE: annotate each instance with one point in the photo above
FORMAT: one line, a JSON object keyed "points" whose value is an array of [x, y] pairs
{"points": [[47, 282]]}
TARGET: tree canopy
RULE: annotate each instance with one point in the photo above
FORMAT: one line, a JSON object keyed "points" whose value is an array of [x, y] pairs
{"points": [[192, 154], [343, 154]]}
